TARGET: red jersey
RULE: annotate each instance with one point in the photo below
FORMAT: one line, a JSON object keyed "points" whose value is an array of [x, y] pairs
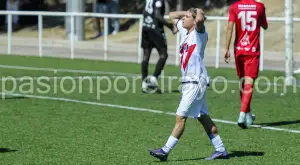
{"points": [[248, 16]]}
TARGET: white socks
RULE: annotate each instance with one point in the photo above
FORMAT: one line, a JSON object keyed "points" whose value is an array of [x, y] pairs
{"points": [[171, 143], [218, 144], [242, 114]]}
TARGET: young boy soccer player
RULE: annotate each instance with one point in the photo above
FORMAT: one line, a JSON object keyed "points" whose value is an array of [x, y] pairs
{"points": [[190, 24], [248, 16]]}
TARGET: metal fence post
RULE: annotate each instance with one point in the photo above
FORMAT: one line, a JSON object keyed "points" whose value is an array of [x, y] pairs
{"points": [[72, 36], [40, 27], [218, 44], [105, 37], [261, 63], [9, 33], [289, 42]]}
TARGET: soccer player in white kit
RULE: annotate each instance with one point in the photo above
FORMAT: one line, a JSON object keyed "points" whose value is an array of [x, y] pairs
{"points": [[190, 25]]}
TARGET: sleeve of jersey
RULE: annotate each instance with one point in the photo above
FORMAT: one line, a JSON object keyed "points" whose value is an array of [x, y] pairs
{"points": [[179, 27], [264, 17], [231, 14]]}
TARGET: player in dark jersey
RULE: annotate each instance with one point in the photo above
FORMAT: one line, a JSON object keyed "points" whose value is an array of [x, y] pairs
{"points": [[153, 36]]}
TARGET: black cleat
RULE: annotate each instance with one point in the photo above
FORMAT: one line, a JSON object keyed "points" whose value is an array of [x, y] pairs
{"points": [[159, 154]]}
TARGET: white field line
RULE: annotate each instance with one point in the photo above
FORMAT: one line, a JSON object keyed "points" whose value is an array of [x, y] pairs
{"points": [[5, 78], [137, 109], [65, 70], [112, 74]]}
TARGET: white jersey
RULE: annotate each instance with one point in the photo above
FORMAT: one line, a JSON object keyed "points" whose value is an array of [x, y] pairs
{"points": [[192, 47]]}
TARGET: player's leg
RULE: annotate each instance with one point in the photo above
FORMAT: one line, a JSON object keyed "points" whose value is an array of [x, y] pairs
{"points": [[240, 68], [162, 153], [211, 131], [185, 109], [163, 56], [242, 85], [100, 8], [239, 64], [145, 62], [160, 43], [251, 73], [162, 48], [176, 133], [115, 10], [247, 93], [147, 48]]}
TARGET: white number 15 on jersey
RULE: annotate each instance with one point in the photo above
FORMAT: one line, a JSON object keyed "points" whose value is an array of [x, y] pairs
{"points": [[248, 20]]}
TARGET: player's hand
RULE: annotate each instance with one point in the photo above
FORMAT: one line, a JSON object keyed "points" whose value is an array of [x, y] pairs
{"points": [[174, 30], [227, 56], [199, 11]]}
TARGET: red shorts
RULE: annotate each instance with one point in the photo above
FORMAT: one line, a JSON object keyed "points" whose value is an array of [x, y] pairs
{"points": [[247, 65]]}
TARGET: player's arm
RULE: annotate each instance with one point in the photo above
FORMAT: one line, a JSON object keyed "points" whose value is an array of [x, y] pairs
{"points": [[229, 34], [200, 19], [159, 17], [176, 15], [264, 24], [176, 19], [231, 21]]}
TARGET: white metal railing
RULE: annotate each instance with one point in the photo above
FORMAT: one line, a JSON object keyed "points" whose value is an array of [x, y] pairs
{"points": [[72, 16]]}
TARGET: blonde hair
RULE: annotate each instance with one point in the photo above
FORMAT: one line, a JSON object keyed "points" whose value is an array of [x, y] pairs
{"points": [[193, 12]]}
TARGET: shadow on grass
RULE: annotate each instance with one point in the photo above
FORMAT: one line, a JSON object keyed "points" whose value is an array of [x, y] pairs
{"points": [[232, 154], [5, 150], [280, 123], [12, 97]]}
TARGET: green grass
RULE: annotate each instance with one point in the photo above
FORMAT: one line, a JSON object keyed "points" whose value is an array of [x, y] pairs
{"points": [[57, 132]]}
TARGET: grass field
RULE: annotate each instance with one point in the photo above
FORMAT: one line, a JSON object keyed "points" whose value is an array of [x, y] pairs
{"points": [[40, 123]]}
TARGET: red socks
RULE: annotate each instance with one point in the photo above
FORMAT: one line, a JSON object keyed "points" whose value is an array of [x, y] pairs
{"points": [[246, 96], [241, 91]]}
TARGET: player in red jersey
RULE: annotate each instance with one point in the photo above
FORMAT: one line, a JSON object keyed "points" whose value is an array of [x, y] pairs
{"points": [[247, 16]]}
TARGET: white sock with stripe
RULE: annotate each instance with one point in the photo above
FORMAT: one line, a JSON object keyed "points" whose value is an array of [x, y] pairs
{"points": [[171, 143], [218, 144]]}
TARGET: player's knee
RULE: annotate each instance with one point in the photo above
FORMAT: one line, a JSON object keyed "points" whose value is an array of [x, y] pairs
{"points": [[248, 80], [180, 122], [214, 130], [146, 58], [208, 124], [163, 53]]}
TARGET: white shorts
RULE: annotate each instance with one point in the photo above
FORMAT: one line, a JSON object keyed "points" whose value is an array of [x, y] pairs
{"points": [[193, 100]]}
